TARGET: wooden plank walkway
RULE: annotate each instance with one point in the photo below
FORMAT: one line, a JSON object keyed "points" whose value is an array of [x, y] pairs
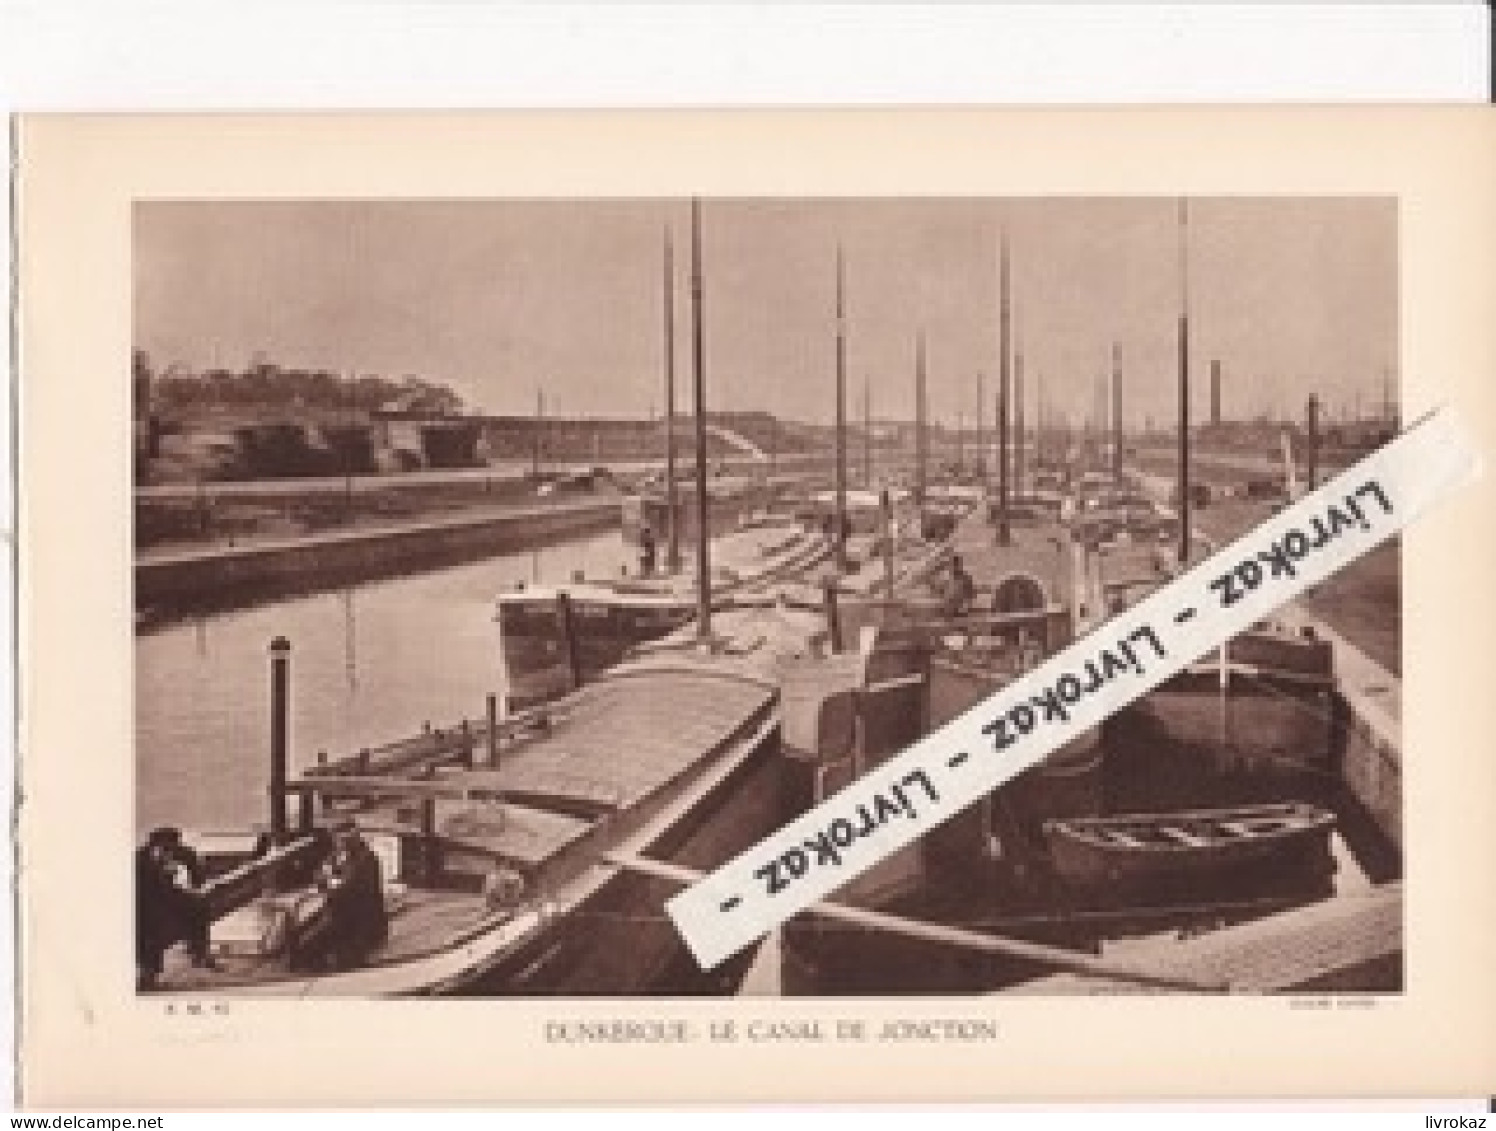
{"points": [[1293, 950]]}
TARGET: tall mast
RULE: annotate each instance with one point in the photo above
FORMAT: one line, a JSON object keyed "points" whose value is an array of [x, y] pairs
{"points": [[1312, 431], [1002, 400], [841, 419], [1018, 428], [981, 437], [1117, 412], [919, 420], [867, 434], [1184, 385], [672, 550], [1099, 415], [539, 430], [698, 378]]}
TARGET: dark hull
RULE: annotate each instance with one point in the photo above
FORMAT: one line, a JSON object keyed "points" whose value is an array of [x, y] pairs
{"points": [[606, 629], [1267, 727], [1185, 745], [537, 668]]}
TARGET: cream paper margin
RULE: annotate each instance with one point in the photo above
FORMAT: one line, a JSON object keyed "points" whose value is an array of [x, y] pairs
{"points": [[86, 1041]]}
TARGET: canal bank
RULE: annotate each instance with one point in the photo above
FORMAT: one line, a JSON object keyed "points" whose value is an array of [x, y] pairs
{"points": [[178, 582]]}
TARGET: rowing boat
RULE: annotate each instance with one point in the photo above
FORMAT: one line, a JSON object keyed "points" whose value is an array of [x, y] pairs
{"points": [[1141, 850]]}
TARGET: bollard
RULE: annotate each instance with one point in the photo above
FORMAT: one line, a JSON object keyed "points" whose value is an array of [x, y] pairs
{"points": [[493, 729], [305, 819], [280, 663], [569, 639], [833, 616], [431, 865]]}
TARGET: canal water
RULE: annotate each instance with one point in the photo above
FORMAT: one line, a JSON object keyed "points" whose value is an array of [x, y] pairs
{"points": [[369, 664]]}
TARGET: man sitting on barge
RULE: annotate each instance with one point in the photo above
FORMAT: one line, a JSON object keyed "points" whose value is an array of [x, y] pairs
{"points": [[169, 907], [357, 922], [646, 552], [962, 590]]}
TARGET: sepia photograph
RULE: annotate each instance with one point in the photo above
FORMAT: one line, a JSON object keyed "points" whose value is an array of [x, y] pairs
{"points": [[503, 565]]}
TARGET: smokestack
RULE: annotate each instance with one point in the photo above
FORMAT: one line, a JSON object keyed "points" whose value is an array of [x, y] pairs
{"points": [[1215, 392]]}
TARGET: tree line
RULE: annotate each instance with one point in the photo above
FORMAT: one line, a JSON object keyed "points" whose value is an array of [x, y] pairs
{"points": [[265, 383]]}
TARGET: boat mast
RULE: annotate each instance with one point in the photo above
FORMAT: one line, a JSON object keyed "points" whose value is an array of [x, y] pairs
{"points": [[1312, 432], [1003, 377], [867, 434], [981, 437], [539, 429], [672, 505], [698, 377], [1018, 428], [280, 698], [1184, 386], [919, 420], [841, 419], [1117, 413]]}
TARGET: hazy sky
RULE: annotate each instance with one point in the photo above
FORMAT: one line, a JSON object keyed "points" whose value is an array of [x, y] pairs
{"points": [[499, 297]]}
